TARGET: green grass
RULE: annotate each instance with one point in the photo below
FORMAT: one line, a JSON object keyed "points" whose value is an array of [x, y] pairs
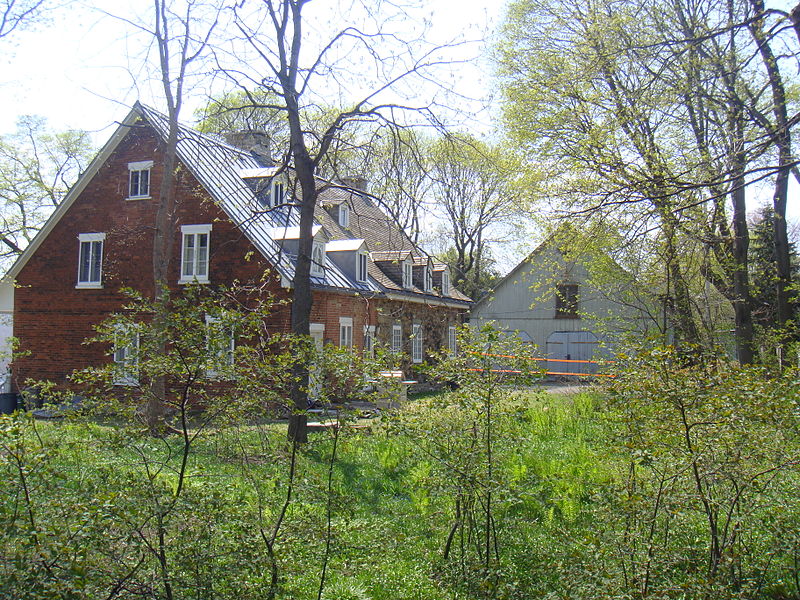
{"points": [[94, 493]]}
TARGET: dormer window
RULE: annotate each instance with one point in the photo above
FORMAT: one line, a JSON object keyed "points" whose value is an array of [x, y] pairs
{"points": [[318, 259], [362, 262], [139, 179], [278, 192], [344, 215], [271, 193], [428, 279], [408, 271], [445, 283]]}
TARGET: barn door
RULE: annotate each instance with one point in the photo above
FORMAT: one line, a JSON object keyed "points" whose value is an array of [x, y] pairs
{"points": [[571, 345]]}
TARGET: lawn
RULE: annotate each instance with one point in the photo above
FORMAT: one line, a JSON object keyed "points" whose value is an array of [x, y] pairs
{"points": [[404, 509]]}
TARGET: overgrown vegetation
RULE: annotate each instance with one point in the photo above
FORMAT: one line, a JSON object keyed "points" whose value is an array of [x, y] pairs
{"points": [[674, 482]]}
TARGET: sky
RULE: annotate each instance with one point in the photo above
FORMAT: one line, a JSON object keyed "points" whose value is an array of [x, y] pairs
{"points": [[84, 69]]}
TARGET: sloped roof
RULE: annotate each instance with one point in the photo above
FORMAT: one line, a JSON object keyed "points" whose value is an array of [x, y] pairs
{"points": [[224, 171], [221, 169]]}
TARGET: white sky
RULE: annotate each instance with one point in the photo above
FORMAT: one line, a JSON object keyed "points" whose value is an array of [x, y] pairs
{"points": [[84, 70]]}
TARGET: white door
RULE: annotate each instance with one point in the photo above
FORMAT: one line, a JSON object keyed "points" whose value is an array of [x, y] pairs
{"points": [[317, 331], [568, 346]]}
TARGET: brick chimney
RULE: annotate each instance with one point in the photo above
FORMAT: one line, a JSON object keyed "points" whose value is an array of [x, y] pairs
{"points": [[354, 183], [253, 141]]}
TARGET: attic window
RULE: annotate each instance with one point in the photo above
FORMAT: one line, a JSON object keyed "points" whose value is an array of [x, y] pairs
{"points": [[344, 215], [139, 179], [567, 301], [318, 259], [362, 261], [271, 192], [428, 280], [445, 283], [407, 273], [278, 192]]}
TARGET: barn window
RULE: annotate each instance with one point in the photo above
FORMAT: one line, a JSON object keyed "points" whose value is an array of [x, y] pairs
{"points": [[567, 301]]}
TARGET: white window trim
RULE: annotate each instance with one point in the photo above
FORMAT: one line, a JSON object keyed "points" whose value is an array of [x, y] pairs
{"points": [[274, 199], [397, 338], [427, 277], [142, 165], [345, 332], [445, 283], [317, 269], [88, 238], [126, 371], [213, 361], [416, 343], [369, 340], [194, 230], [408, 274], [452, 340], [344, 216], [362, 256]]}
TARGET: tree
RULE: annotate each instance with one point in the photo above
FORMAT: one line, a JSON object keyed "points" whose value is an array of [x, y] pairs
{"points": [[647, 110], [17, 14], [475, 188], [178, 44], [279, 59], [37, 169], [764, 270]]}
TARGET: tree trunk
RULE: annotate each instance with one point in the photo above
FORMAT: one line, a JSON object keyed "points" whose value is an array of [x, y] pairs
{"points": [[782, 139], [741, 277]]}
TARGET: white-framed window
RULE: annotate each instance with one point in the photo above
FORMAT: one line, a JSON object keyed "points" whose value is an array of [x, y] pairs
{"points": [[445, 283], [139, 179], [369, 340], [90, 260], [318, 259], [416, 343], [194, 253], [220, 345], [344, 215], [278, 192], [346, 332], [428, 280], [452, 342], [362, 262], [397, 337], [408, 273], [126, 357]]}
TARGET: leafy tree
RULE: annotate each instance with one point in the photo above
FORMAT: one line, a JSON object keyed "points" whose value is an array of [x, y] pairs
{"points": [[764, 269], [290, 66], [650, 112], [474, 188], [37, 168]]}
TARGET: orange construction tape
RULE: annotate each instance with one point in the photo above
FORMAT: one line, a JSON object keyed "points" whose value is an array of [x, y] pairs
{"points": [[566, 360], [546, 373]]}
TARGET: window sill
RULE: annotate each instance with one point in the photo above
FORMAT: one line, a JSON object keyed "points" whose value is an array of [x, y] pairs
{"points": [[573, 317], [184, 281], [138, 198], [89, 286]]}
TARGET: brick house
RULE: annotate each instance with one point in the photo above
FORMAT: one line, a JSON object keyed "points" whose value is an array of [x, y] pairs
{"points": [[371, 284]]}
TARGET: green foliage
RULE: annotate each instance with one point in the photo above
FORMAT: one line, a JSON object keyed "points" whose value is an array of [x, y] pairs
{"points": [[675, 482], [37, 168]]}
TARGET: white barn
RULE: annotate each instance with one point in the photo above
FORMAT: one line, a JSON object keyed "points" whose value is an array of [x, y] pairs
{"points": [[556, 299]]}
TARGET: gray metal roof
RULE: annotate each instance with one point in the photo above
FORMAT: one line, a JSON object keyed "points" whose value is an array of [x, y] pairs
{"points": [[221, 169]]}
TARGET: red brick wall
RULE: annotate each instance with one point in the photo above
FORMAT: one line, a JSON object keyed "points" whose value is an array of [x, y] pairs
{"points": [[52, 318]]}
